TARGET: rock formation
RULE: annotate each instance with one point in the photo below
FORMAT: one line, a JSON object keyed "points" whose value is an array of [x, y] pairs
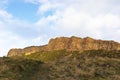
{"points": [[73, 43]]}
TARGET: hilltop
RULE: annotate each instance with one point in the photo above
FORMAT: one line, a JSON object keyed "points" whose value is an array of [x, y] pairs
{"points": [[70, 44], [64, 58]]}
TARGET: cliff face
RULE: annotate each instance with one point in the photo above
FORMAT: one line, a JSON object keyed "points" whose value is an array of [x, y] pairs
{"points": [[73, 43], [87, 43], [14, 52], [25, 51]]}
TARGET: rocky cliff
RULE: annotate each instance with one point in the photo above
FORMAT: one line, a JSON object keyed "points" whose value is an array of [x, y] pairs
{"points": [[73, 43], [25, 51]]}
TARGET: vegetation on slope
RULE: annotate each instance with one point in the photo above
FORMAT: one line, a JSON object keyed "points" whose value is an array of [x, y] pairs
{"points": [[46, 56], [63, 65], [17, 69], [88, 65]]}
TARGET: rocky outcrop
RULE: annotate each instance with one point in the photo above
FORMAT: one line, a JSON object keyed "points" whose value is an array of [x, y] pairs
{"points": [[73, 43], [87, 43], [14, 52], [25, 51]]}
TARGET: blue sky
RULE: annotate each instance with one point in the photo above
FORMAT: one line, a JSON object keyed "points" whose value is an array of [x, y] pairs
{"points": [[33, 22], [22, 10]]}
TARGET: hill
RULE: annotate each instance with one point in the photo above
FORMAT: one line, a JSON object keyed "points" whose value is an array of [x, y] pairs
{"points": [[71, 44], [62, 65], [64, 58]]}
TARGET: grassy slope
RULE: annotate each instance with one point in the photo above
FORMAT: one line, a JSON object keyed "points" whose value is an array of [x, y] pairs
{"points": [[18, 69], [63, 65], [89, 65]]}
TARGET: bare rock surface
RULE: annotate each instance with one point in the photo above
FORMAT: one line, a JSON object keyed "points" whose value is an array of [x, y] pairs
{"points": [[73, 43]]}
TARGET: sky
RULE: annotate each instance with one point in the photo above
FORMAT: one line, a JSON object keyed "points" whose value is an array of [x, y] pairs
{"points": [[33, 22]]}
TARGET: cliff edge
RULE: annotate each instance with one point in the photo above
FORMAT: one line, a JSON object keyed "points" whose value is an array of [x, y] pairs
{"points": [[72, 44]]}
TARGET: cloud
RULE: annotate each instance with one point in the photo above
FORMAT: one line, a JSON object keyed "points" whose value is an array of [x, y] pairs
{"points": [[45, 7], [16, 33], [80, 22], [9, 40], [97, 19], [36, 1], [4, 16], [82, 17], [3, 3]]}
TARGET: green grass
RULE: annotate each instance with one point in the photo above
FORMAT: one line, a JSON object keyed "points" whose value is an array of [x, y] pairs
{"points": [[46, 56]]}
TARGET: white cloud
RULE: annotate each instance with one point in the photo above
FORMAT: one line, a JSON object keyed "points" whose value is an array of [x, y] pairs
{"points": [[7, 41], [94, 18], [10, 37], [4, 15], [45, 7], [3, 3], [36, 1], [10, 40], [84, 17]]}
